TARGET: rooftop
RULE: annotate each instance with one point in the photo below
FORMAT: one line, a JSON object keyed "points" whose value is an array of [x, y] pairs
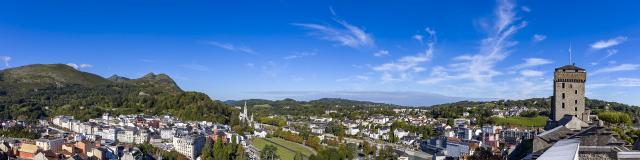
{"points": [[569, 67]]}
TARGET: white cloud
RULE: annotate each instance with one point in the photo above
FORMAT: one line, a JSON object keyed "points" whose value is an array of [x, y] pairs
{"points": [[494, 48], [231, 47], [418, 37], [531, 62], [539, 38], [79, 66], [381, 53], [525, 9], [347, 35], [619, 82], [531, 73], [5, 60], [403, 68], [299, 55], [250, 65], [618, 68], [608, 43]]}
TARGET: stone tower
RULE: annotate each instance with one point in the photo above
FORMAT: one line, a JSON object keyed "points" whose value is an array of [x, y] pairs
{"points": [[568, 93]]}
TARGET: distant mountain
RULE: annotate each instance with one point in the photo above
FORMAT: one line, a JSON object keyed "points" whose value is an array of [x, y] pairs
{"points": [[43, 90], [318, 102], [391, 97]]}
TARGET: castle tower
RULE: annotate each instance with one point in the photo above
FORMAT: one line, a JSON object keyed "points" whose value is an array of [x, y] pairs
{"points": [[568, 93]]}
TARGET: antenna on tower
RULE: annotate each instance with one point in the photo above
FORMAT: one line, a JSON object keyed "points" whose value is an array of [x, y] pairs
{"points": [[570, 54]]}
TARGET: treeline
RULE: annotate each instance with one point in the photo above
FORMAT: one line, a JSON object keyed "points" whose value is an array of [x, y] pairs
{"points": [[344, 108], [19, 132], [615, 117], [218, 150], [150, 152]]}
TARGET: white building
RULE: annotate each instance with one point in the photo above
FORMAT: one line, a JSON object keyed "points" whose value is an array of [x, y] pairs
{"points": [[167, 133], [260, 133], [50, 144], [400, 133], [353, 130], [189, 145]]}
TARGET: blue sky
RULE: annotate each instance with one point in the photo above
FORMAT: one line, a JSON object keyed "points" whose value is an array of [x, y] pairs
{"points": [[411, 52]]}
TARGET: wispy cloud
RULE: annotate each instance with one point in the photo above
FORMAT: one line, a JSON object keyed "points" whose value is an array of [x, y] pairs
{"points": [[608, 43], [346, 35], [531, 73], [494, 48], [381, 53], [525, 9], [79, 66], [250, 65], [196, 67], [5, 60], [538, 38], [403, 68], [354, 78], [299, 55], [147, 60], [531, 62], [610, 52], [618, 68], [231, 47], [619, 82]]}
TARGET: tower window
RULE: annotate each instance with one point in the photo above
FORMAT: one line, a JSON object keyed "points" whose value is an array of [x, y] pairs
{"points": [[562, 95], [576, 91], [562, 85], [576, 108], [576, 101], [570, 85], [562, 105]]}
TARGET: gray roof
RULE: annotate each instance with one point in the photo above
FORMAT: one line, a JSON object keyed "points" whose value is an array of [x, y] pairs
{"points": [[566, 149], [569, 67]]}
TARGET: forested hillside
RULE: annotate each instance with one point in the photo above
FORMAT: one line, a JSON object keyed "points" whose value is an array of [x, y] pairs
{"points": [[45, 90]]}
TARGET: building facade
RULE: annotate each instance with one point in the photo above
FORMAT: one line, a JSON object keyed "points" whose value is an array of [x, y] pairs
{"points": [[568, 93]]}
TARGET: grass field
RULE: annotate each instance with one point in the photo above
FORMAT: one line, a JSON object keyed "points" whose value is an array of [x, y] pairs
{"points": [[296, 147], [284, 153], [538, 121], [286, 149]]}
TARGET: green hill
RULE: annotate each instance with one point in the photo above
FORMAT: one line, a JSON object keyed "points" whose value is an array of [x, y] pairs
{"points": [[43, 90]]}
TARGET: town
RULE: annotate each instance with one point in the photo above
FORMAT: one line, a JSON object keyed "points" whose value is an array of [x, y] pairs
{"points": [[570, 132]]}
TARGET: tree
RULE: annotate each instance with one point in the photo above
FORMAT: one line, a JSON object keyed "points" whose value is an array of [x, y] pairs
{"points": [[314, 142], [207, 150], [269, 152], [366, 149], [240, 152], [386, 153], [351, 150]]}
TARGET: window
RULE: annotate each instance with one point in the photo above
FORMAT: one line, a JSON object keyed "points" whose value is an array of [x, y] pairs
{"points": [[570, 85], [576, 108], [576, 91], [562, 95], [563, 105], [576, 101], [562, 85]]}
